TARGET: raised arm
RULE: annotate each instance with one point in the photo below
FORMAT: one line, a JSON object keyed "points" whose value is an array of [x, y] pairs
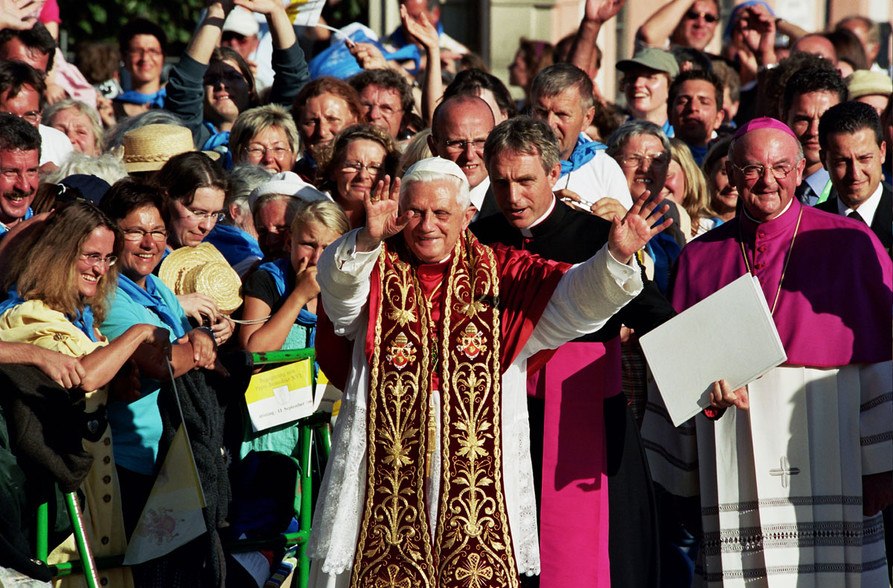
{"points": [[19, 15], [590, 293], [281, 29], [597, 13], [185, 87], [425, 33], [290, 71], [207, 37], [656, 31], [346, 264]]}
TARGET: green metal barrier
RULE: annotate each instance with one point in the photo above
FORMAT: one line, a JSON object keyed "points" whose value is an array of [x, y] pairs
{"points": [[316, 424]]}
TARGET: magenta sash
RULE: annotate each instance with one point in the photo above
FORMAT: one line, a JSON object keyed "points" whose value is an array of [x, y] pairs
{"points": [[574, 507]]}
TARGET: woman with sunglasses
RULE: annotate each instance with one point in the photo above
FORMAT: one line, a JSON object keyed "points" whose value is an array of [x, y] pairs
{"points": [[211, 86], [58, 284], [684, 23]]}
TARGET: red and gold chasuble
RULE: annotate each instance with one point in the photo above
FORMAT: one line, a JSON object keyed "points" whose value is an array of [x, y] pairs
{"points": [[472, 545]]}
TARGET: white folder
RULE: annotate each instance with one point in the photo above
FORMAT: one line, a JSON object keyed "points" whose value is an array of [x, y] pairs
{"points": [[730, 335]]}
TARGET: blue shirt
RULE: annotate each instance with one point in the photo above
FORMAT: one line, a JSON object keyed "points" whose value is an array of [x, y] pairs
{"points": [[136, 426]]}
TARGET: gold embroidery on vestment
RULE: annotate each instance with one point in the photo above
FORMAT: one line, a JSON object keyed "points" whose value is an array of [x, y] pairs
{"points": [[472, 544]]}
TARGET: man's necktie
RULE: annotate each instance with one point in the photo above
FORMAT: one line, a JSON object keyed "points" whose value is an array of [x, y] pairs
{"points": [[804, 194], [856, 216]]}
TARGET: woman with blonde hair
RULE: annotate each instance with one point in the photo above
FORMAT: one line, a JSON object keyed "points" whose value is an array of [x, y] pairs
{"points": [[416, 149], [58, 287], [284, 291], [687, 186], [281, 304], [265, 136]]}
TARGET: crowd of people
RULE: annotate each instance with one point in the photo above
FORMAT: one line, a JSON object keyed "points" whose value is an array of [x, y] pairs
{"points": [[474, 273]]}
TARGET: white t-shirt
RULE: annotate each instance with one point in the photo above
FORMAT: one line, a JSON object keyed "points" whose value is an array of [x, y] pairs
{"points": [[597, 179]]}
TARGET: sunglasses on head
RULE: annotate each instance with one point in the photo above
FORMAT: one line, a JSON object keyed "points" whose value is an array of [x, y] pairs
{"points": [[692, 15]]}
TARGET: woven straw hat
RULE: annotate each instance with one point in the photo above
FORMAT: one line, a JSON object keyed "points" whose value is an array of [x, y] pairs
{"points": [[863, 82], [149, 147], [202, 269]]}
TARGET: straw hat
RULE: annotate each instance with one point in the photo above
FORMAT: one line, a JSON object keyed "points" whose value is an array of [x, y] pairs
{"points": [[863, 82], [202, 269], [149, 147]]}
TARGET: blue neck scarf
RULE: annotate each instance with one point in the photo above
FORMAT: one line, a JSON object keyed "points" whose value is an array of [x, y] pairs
{"points": [[28, 214], [12, 299], [235, 244], [151, 299], [219, 142], [583, 153], [82, 319], [155, 100], [664, 250], [283, 275]]}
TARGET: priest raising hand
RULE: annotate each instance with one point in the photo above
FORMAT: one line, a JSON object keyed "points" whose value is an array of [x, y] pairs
{"points": [[435, 405], [383, 219]]}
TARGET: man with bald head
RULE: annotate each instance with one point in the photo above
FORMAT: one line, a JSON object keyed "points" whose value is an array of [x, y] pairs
{"points": [[817, 44], [794, 469], [458, 132]]}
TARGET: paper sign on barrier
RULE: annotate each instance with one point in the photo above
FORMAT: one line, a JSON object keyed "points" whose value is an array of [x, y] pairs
{"points": [[281, 395]]}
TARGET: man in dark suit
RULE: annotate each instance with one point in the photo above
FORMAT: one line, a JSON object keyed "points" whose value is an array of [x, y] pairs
{"points": [[577, 410], [853, 152]]}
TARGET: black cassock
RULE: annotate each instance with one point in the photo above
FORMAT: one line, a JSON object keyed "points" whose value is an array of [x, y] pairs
{"points": [[571, 236]]}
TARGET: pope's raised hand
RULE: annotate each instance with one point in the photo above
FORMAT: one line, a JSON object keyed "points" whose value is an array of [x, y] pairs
{"points": [[383, 220], [640, 224]]}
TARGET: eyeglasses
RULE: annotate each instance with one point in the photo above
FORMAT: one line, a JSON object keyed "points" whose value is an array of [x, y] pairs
{"points": [[215, 216], [358, 166], [96, 260], [634, 161], [708, 17], [754, 172], [259, 151], [460, 145], [136, 235]]}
